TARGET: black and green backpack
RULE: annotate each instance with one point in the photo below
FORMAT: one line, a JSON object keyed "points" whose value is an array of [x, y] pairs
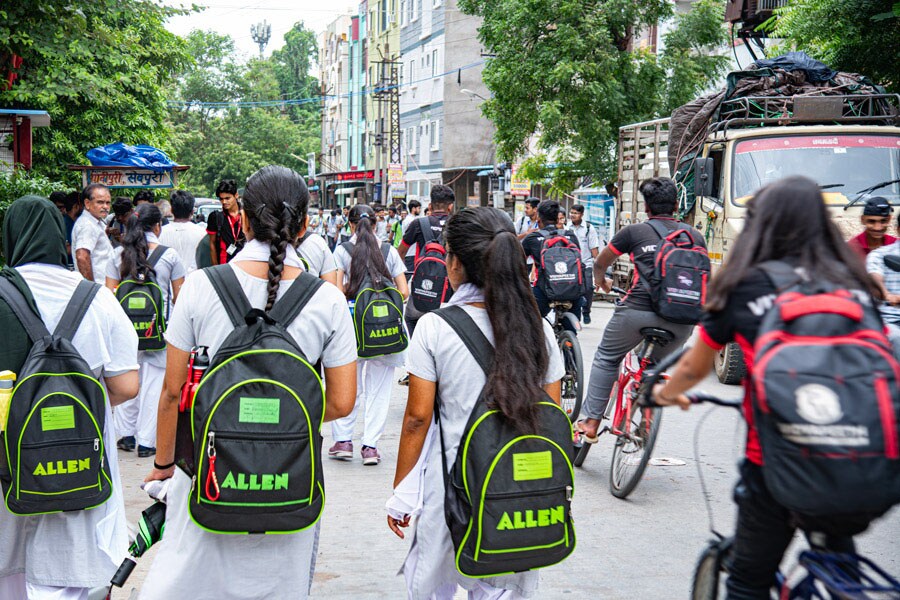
{"points": [[378, 315], [255, 420], [144, 301], [54, 455], [508, 496]]}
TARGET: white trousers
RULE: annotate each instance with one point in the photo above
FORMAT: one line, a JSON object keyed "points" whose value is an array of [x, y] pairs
{"points": [[373, 390], [137, 416], [482, 592], [14, 587]]}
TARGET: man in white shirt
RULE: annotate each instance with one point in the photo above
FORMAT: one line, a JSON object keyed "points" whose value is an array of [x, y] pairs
{"points": [[183, 235], [91, 248], [589, 241], [415, 207]]}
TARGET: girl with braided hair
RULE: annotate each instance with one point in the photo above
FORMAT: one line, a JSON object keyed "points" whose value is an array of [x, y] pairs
{"points": [[193, 562]]}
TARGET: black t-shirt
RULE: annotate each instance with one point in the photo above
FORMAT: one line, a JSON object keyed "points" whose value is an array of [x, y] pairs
{"points": [[415, 237], [640, 241], [217, 222], [533, 242]]}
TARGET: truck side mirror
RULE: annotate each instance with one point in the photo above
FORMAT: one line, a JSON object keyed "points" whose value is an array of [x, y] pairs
{"points": [[703, 177]]}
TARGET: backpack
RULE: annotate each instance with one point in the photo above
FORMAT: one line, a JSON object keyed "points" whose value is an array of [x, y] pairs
{"points": [[508, 496], [53, 438], [303, 260], [144, 303], [255, 420], [378, 315], [681, 270], [560, 273], [826, 399], [429, 286]]}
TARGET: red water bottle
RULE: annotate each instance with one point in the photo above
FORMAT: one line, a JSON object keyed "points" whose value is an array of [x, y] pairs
{"points": [[197, 366]]}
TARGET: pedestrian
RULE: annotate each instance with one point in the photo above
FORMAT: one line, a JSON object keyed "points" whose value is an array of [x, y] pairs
{"points": [[183, 235], [333, 225], [122, 208], [365, 258], [887, 279], [487, 271], [226, 235], [876, 221], [143, 197], [381, 224], [136, 260], [91, 247], [61, 555], [409, 259], [589, 242], [528, 222], [313, 251], [195, 563]]}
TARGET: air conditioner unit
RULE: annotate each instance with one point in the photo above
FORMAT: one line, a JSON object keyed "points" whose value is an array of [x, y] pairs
{"points": [[751, 12]]}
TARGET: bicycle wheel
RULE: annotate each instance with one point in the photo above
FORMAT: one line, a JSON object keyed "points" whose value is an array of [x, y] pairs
{"points": [[573, 379], [706, 582], [632, 452]]}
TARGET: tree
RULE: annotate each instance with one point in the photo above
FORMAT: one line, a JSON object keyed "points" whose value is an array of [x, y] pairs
{"points": [[861, 35], [100, 68], [572, 71], [293, 62]]}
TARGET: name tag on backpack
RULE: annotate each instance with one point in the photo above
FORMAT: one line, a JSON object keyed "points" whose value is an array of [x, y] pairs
{"points": [[54, 418], [529, 466]]}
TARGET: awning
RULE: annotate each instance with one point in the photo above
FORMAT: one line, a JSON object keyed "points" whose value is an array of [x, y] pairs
{"points": [[484, 173], [347, 190], [39, 118]]}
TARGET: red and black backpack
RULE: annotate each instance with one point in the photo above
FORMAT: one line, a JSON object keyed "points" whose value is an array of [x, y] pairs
{"points": [[681, 270], [429, 286], [560, 276]]}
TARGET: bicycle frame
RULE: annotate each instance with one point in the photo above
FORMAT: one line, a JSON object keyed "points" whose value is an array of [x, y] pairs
{"points": [[631, 374]]}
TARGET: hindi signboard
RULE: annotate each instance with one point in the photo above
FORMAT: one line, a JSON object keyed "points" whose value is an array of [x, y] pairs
{"points": [[129, 177]]}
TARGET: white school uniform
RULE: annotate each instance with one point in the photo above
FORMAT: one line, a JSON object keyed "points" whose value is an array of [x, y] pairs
{"points": [[373, 375], [137, 417], [80, 549], [437, 354], [194, 563], [315, 250]]}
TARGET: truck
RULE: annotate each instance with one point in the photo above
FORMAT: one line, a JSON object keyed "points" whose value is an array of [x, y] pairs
{"points": [[850, 145]]}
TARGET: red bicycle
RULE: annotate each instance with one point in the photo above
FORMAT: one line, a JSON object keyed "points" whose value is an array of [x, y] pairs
{"points": [[635, 427]]}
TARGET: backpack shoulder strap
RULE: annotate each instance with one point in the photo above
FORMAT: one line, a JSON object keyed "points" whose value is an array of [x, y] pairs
{"points": [[427, 232], [781, 274], [156, 255], [229, 291], [76, 309], [305, 237], [470, 334], [661, 230], [295, 299], [31, 322], [385, 250], [348, 247]]}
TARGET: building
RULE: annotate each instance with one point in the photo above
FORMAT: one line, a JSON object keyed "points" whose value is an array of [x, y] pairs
{"points": [[382, 92], [334, 65]]}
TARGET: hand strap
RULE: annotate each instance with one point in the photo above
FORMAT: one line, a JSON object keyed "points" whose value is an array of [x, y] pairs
{"points": [[156, 255]]}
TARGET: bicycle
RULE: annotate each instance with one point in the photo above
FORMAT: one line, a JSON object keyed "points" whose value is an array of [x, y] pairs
{"points": [[635, 428], [821, 574], [570, 349]]}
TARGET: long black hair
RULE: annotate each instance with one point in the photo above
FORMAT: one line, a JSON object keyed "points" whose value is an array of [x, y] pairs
{"points": [[366, 259], [789, 219], [275, 202], [485, 242], [134, 245]]}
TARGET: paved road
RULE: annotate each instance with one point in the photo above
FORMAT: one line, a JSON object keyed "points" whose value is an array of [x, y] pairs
{"points": [[644, 547]]}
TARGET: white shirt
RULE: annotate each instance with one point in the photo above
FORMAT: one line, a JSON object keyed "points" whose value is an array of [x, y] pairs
{"points": [[406, 223], [184, 239], [89, 234], [314, 250], [588, 239], [107, 342]]}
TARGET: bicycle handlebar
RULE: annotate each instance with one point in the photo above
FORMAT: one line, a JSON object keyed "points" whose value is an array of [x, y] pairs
{"points": [[619, 291], [703, 397]]}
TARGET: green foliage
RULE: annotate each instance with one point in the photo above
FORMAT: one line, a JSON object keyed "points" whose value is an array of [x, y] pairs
{"points": [[858, 36], [18, 183], [100, 68], [570, 71], [233, 141], [561, 177]]}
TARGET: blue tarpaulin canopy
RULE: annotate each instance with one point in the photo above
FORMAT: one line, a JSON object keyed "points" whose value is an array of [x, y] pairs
{"points": [[126, 155]]}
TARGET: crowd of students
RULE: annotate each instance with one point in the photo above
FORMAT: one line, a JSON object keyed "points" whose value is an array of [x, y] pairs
{"points": [[267, 244]]}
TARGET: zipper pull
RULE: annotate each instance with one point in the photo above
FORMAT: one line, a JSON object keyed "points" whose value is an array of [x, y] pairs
{"points": [[211, 445], [212, 482], [96, 444], [569, 493]]}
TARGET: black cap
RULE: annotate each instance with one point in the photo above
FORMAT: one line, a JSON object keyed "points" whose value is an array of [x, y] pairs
{"points": [[877, 207]]}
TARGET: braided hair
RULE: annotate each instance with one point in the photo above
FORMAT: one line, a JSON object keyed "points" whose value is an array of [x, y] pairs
{"points": [[275, 204]]}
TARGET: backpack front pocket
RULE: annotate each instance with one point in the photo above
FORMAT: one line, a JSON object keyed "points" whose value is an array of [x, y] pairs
{"points": [[515, 524], [70, 468]]}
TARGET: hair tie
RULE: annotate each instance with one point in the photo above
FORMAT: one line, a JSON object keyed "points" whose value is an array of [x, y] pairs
{"points": [[364, 216]]}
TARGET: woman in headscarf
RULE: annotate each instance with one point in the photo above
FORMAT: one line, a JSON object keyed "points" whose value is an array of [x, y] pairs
{"points": [[62, 555]]}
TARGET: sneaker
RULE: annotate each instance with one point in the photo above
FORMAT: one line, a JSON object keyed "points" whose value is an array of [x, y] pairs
{"points": [[404, 381], [586, 318], [145, 451], [341, 451], [370, 455], [126, 443]]}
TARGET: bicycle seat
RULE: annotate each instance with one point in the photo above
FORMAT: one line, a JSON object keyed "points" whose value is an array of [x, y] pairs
{"points": [[562, 305], [660, 337]]}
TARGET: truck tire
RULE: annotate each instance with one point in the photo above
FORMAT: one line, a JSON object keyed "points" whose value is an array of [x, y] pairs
{"points": [[730, 368]]}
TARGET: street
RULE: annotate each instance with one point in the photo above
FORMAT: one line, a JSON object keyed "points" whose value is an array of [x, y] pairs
{"points": [[643, 547]]}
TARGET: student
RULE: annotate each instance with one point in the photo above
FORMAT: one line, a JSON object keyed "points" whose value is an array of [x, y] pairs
{"points": [[528, 222], [313, 249], [333, 225], [183, 235], [61, 556], [226, 235], [876, 219], [360, 262], [192, 562], [486, 267], [122, 211], [136, 419], [778, 216], [589, 242], [409, 259]]}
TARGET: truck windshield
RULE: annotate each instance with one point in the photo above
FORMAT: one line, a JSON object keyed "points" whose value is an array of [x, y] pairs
{"points": [[843, 165]]}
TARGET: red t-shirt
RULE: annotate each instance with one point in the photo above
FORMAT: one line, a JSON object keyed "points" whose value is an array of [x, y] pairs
{"points": [[861, 244], [228, 231]]}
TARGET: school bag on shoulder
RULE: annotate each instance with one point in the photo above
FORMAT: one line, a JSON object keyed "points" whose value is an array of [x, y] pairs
{"points": [[508, 496], [255, 420], [429, 286], [53, 440], [378, 315], [681, 270], [144, 302], [826, 399], [560, 276]]}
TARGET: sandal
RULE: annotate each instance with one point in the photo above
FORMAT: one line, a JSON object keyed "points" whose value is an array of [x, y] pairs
{"points": [[584, 437]]}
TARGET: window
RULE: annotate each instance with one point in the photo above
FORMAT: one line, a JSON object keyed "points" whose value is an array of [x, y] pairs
{"points": [[435, 135], [412, 72], [404, 16], [411, 140], [436, 3], [426, 135], [417, 10], [426, 62], [434, 67]]}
